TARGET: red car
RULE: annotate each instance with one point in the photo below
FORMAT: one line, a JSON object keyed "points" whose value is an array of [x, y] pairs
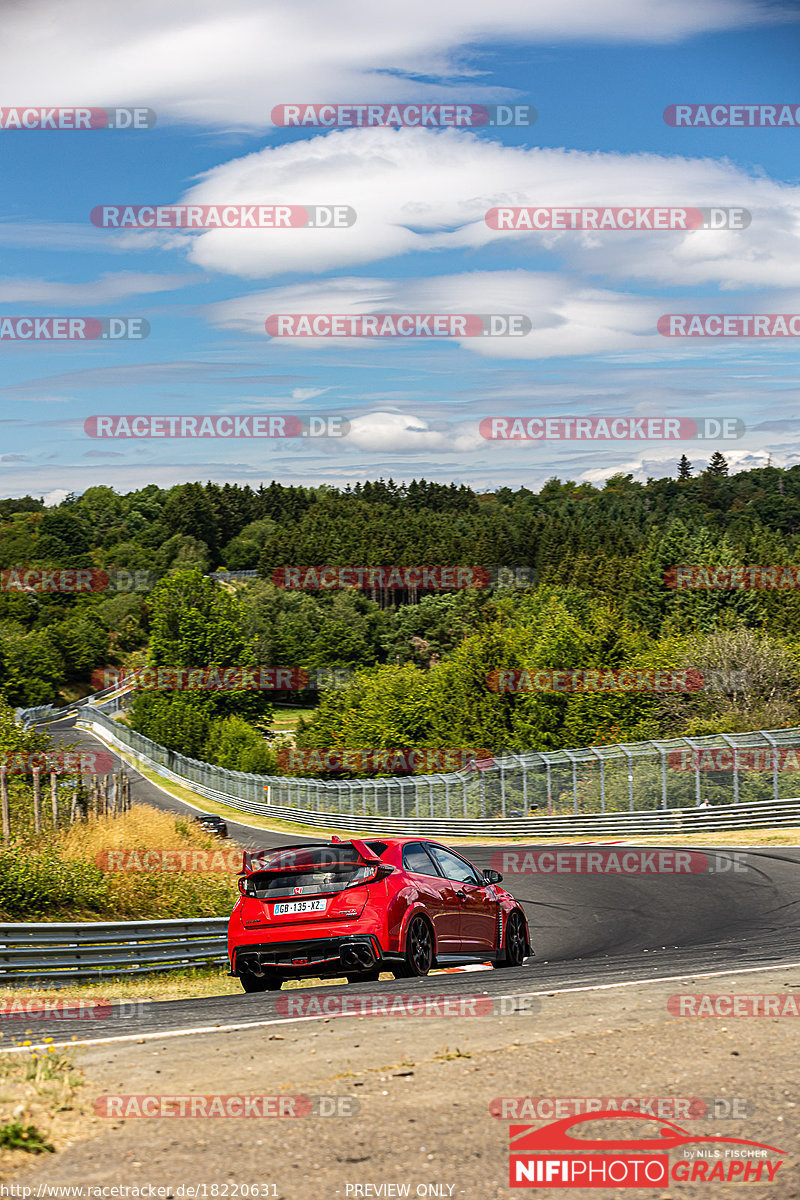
{"points": [[361, 907]]}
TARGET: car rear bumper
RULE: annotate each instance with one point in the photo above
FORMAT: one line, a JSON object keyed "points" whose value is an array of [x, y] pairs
{"points": [[349, 953]]}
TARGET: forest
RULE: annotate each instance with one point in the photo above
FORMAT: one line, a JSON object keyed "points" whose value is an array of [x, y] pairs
{"points": [[577, 577]]}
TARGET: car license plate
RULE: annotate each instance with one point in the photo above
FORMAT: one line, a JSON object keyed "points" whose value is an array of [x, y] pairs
{"points": [[299, 906]]}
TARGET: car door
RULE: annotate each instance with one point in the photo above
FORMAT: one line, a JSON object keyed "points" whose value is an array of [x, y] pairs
{"points": [[437, 894], [477, 902]]}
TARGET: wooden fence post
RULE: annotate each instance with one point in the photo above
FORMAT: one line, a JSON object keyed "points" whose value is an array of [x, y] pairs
{"points": [[93, 791], [115, 792], [54, 798], [4, 800], [37, 799]]}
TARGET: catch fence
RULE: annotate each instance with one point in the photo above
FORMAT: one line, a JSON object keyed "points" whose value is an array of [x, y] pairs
{"points": [[656, 776]]}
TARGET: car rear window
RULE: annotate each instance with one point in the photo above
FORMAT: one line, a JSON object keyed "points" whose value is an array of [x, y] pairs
{"points": [[303, 870], [266, 885], [306, 857]]}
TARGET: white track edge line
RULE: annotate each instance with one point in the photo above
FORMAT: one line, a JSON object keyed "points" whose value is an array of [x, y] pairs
{"points": [[234, 1028]]}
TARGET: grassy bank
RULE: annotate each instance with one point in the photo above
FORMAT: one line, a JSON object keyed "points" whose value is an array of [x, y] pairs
{"points": [[59, 877]]}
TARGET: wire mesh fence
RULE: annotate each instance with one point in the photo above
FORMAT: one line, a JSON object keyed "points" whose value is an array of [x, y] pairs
{"points": [[678, 773]]}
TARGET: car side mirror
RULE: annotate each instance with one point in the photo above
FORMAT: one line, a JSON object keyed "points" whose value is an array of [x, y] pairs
{"points": [[492, 877]]}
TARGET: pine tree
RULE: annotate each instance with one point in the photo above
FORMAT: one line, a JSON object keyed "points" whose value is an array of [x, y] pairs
{"points": [[684, 468], [718, 465]]}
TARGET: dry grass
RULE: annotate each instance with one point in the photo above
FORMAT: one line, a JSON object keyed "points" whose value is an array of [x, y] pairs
{"points": [[61, 877], [142, 826], [42, 1090]]}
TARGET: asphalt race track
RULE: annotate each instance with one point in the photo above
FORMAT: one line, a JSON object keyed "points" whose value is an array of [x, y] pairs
{"points": [[588, 930]]}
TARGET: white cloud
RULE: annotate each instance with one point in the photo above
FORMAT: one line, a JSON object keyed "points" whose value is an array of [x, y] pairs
{"points": [[397, 432], [99, 291], [418, 191], [54, 497], [200, 62], [568, 317]]}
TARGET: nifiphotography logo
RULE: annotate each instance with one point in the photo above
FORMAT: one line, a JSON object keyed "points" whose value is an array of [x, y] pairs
{"points": [[553, 1156]]}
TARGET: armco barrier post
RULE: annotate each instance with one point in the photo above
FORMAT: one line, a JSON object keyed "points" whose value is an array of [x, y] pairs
{"points": [[663, 778], [37, 799], [774, 745], [4, 802]]}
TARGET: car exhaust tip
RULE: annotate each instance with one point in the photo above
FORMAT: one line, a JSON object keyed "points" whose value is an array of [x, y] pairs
{"points": [[358, 956], [252, 965]]}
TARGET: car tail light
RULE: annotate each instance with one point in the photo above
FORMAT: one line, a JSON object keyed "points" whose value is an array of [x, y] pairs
{"points": [[369, 873]]}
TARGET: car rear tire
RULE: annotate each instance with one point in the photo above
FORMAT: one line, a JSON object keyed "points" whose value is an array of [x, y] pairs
{"points": [[260, 983], [516, 942], [419, 951]]}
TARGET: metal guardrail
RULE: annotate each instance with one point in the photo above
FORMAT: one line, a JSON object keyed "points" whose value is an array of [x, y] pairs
{"points": [[630, 787], [48, 712], [55, 952], [770, 814], [785, 815], [227, 576]]}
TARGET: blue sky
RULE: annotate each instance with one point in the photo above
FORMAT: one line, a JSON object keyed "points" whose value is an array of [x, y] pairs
{"points": [[599, 77]]}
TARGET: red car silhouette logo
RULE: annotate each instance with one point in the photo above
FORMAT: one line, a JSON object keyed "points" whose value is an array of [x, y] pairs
{"points": [[526, 1139]]}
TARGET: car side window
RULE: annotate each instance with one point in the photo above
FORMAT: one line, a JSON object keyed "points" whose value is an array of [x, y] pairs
{"points": [[454, 867], [416, 860]]}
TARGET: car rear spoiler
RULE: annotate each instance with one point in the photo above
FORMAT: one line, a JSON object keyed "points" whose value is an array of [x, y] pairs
{"points": [[248, 856], [365, 851]]}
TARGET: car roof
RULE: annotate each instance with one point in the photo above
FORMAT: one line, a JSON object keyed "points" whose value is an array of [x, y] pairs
{"points": [[387, 841]]}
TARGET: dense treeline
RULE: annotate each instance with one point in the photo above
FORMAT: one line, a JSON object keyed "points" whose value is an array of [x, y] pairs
{"points": [[596, 557]]}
